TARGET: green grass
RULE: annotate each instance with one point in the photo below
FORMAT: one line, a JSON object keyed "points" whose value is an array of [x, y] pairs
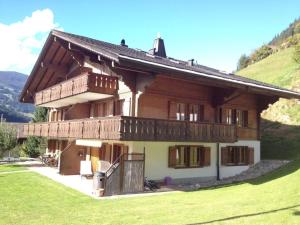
{"points": [[10, 167], [281, 140], [29, 198], [279, 69]]}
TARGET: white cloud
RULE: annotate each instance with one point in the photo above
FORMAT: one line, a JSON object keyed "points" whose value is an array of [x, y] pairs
{"points": [[21, 42]]}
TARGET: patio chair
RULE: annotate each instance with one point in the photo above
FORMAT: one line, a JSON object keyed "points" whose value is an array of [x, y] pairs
{"points": [[86, 168]]}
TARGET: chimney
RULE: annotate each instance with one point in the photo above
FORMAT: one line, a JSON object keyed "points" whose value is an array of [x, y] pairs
{"points": [[159, 47], [123, 43], [191, 62]]}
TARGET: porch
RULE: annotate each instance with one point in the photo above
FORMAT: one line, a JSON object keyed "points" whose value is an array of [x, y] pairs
{"points": [[133, 129]]}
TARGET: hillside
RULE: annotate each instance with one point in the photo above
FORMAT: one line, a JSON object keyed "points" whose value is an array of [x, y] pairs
{"points": [[280, 129], [11, 84]]}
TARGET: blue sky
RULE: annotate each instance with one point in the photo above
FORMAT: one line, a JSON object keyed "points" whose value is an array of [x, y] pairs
{"points": [[215, 33]]}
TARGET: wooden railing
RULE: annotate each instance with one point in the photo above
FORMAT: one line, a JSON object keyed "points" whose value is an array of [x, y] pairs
{"points": [[133, 129], [88, 82]]}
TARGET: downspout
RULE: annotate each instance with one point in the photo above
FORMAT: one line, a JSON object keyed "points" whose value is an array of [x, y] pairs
{"points": [[218, 161]]}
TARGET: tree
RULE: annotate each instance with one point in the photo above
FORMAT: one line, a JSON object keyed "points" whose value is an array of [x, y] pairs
{"points": [[8, 138], [243, 62], [40, 115], [33, 146]]}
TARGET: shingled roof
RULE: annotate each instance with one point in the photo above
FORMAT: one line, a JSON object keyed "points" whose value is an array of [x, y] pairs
{"points": [[119, 52]]}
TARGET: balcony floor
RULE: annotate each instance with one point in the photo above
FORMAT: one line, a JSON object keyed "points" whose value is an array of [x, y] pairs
{"points": [[75, 99]]}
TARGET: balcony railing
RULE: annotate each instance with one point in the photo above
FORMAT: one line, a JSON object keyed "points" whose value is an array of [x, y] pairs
{"points": [[88, 82], [133, 129]]}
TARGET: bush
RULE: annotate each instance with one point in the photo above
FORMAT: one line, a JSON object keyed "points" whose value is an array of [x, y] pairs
{"points": [[8, 138], [33, 147], [261, 53]]}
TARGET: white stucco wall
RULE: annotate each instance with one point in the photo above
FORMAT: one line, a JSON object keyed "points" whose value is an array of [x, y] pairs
{"points": [[228, 171], [156, 159]]}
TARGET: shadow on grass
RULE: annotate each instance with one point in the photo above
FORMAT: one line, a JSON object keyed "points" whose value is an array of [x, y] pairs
{"points": [[297, 213]]}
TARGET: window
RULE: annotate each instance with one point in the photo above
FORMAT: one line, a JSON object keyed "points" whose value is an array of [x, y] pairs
{"points": [[196, 112], [181, 111], [184, 111], [237, 155], [242, 118], [189, 156], [233, 116]]}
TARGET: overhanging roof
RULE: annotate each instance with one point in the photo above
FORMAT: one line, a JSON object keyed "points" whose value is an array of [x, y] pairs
{"points": [[123, 55]]}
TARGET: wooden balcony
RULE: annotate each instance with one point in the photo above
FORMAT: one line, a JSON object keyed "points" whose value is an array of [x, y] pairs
{"points": [[82, 88], [133, 129]]}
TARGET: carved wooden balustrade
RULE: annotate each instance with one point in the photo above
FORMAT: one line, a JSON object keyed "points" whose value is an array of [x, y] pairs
{"points": [[88, 82], [133, 129]]}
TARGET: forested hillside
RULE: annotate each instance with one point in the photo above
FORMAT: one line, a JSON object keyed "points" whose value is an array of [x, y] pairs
{"points": [[11, 84]]}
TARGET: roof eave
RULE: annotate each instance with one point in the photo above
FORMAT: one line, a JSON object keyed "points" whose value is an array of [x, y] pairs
{"points": [[285, 93]]}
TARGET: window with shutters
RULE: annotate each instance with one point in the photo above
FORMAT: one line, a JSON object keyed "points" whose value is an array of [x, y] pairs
{"points": [[189, 156], [237, 155], [233, 116], [242, 118], [186, 112], [181, 111]]}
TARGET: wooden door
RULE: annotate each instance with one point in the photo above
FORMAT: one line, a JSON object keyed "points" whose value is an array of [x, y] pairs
{"points": [[95, 153], [117, 151]]}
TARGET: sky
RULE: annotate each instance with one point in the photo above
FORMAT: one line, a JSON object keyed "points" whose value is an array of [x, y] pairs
{"points": [[214, 33]]}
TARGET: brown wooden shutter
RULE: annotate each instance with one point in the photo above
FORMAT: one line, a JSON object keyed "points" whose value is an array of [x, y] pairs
{"points": [[224, 155], [245, 118], [110, 108], [206, 156], [106, 152], [201, 113], [172, 156], [125, 151], [172, 110], [251, 155], [233, 116]]}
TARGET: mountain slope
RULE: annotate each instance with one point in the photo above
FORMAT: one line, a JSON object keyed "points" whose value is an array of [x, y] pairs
{"points": [[279, 69], [11, 84], [280, 128]]}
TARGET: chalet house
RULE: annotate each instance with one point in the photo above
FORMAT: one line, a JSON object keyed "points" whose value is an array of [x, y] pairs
{"points": [[136, 114]]}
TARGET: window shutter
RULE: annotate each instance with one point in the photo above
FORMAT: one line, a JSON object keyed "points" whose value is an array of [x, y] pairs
{"points": [[172, 156], [224, 156], [125, 152], [206, 156], [201, 113], [245, 118], [172, 110], [110, 108], [233, 116], [106, 152], [251, 155]]}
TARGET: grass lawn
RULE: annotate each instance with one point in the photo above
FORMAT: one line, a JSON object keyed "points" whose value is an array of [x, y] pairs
{"points": [[7, 168], [28, 198]]}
